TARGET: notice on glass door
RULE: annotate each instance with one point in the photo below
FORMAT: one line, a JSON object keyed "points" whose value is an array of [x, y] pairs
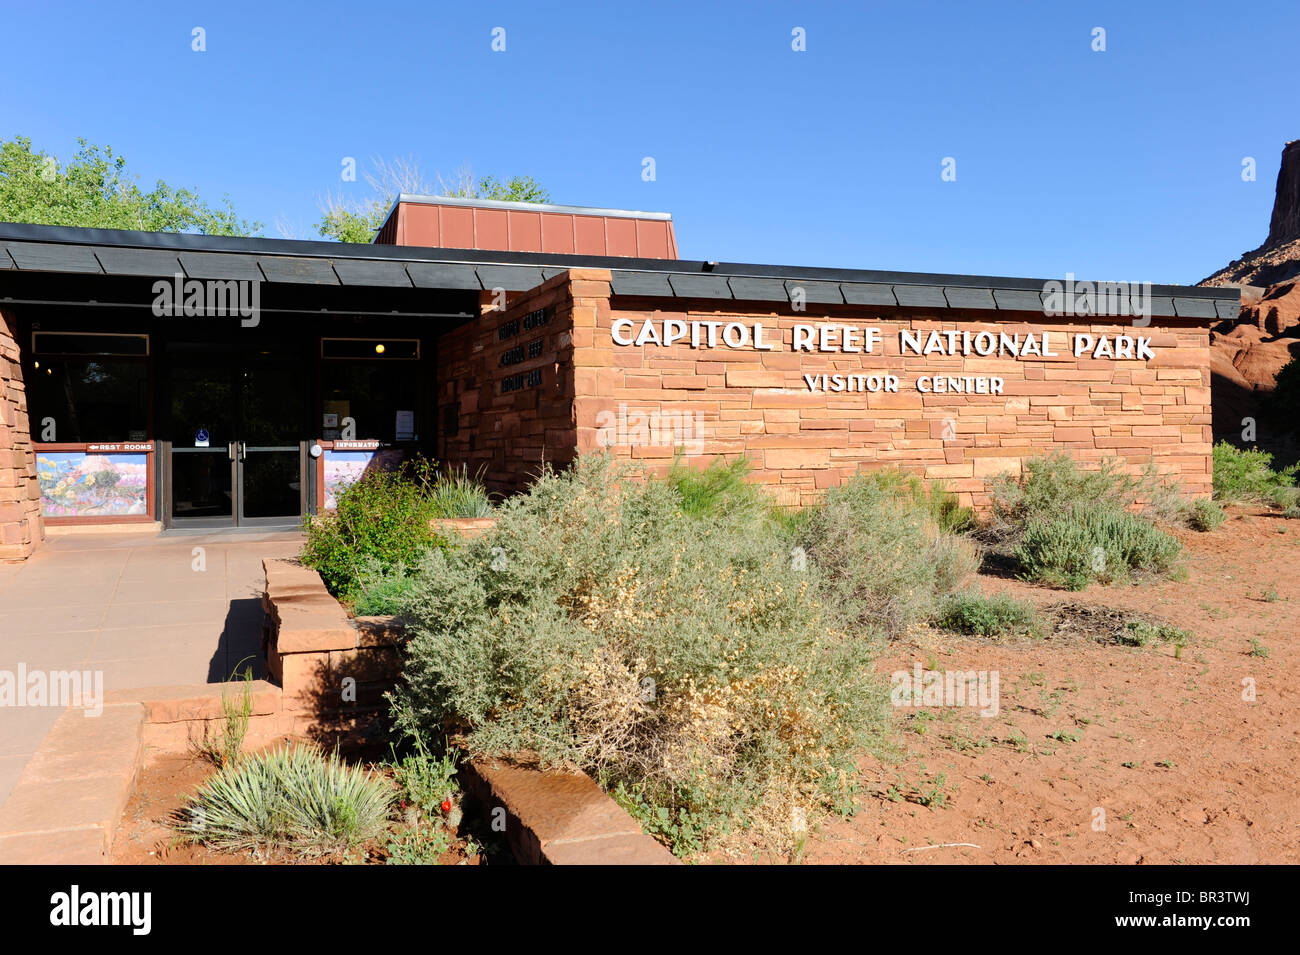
{"points": [[405, 430]]}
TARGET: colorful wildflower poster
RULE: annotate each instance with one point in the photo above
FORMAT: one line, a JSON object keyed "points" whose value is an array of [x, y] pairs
{"points": [[78, 484], [341, 468]]}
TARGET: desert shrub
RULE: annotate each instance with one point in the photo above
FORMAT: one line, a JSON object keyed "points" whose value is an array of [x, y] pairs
{"points": [[950, 516], [1142, 633], [987, 616], [1051, 485], [294, 799], [1205, 515], [687, 662], [381, 523], [1285, 498], [1097, 543], [885, 560], [425, 780], [717, 489], [1247, 476], [1065, 525]]}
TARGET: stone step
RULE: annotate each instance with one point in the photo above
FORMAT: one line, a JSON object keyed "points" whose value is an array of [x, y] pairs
{"points": [[177, 718], [70, 797]]}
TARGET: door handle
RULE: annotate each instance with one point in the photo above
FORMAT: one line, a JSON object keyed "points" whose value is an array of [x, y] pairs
{"points": [[230, 450], [243, 450]]}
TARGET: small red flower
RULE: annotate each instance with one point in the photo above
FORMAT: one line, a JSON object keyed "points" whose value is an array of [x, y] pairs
{"points": [[446, 805]]}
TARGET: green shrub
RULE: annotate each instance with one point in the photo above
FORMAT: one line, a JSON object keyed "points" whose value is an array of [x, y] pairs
{"points": [[687, 662], [382, 523], [1141, 633], [717, 489], [417, 845], [1284, 497], [685, 832], [951, 516], [424, 780], [1052, 485], [948, 515], [293, 799], [999, 615], [1244, 476], [429, 803], [1205, 515], [1097, 543], [885, 561], [1065, 525], [380, 590]]}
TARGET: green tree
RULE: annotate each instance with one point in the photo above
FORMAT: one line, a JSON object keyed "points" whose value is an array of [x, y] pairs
{"points": [[353, 220], [95, 190], [514, 189]]}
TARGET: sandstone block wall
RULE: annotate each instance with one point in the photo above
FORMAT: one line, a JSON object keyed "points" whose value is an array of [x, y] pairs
{"points": [[21, 525], [506, 431], [800, 441]]}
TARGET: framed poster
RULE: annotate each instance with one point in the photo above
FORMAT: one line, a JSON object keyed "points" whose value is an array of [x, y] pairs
{"points": [[89, 484], [342, 463], [338, 470]]}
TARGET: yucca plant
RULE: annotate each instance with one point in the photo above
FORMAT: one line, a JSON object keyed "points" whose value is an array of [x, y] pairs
{"points": [[293, 798]]}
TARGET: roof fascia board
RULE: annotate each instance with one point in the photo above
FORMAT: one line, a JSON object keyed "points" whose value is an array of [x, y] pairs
{"points": [[262, 247]]}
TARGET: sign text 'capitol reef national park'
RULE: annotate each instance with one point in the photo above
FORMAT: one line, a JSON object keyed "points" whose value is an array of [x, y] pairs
{"points": [[869, 340]]}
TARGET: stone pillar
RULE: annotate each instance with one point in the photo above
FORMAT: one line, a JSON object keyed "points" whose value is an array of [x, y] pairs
{"points": [[504, 437], [21, 526]]}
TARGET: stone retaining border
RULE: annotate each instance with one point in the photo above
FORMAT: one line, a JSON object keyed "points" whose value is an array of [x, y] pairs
{"points": [[557, 818]]}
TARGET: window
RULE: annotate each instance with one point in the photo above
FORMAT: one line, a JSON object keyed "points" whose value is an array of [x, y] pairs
{"points": [[90, 343], [375, 383], [97, 400], [375, 349]]}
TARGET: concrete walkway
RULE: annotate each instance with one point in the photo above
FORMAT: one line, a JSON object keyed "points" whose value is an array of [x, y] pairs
{"points": [[142, 609]]}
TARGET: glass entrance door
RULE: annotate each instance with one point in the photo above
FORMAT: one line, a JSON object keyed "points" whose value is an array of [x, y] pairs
{"points": [[236, 425], [203, 444], [272, 397]]}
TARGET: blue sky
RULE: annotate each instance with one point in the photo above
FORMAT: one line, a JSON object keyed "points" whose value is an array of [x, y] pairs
{"points": [[1124, 164]]}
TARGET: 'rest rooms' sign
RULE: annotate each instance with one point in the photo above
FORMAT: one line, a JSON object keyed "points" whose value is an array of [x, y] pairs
{"points": [[870, 340]]}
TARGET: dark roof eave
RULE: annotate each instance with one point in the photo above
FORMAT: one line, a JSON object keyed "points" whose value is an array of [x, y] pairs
{"points": [[253, 247]]}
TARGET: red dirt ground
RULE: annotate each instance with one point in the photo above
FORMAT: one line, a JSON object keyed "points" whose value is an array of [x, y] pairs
{"points": [[1211, 778]]}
